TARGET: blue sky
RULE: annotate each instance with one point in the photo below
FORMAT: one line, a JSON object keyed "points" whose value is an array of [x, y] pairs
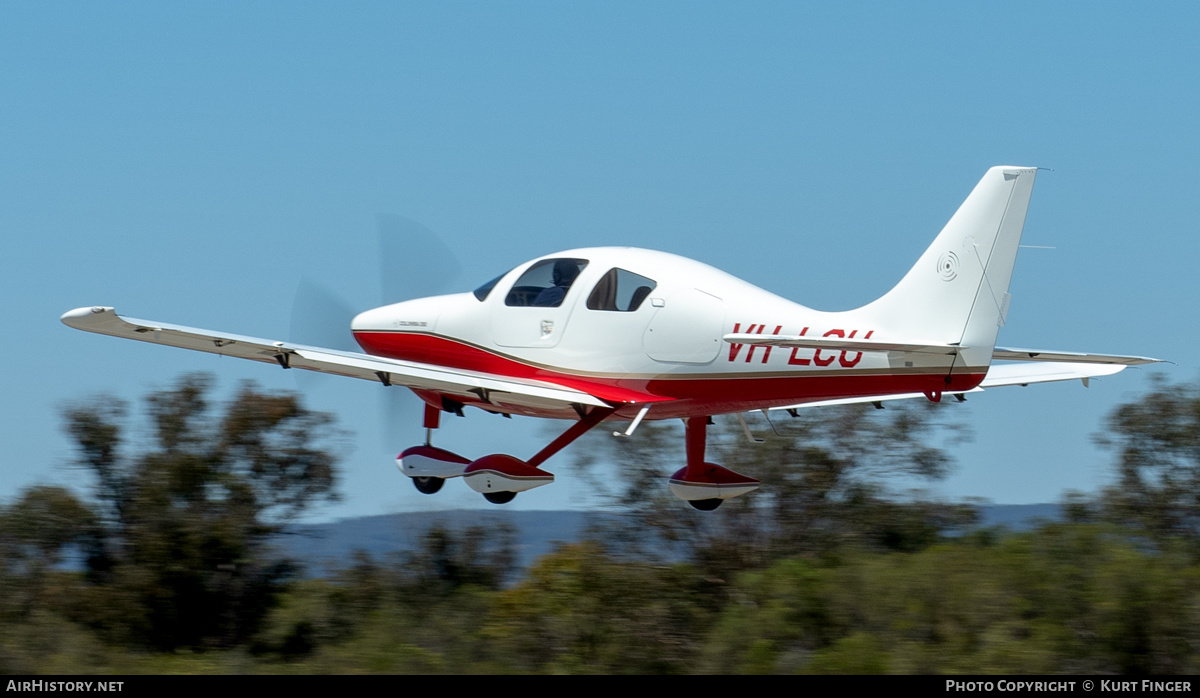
{"points": [[192, 162]]}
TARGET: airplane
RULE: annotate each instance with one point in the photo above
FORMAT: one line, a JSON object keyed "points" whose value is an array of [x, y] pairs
{"points": [[623, 334]]}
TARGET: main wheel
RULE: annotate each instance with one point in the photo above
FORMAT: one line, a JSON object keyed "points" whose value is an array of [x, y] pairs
{"points": [[499, 497], [705, 504], [428, 485]]}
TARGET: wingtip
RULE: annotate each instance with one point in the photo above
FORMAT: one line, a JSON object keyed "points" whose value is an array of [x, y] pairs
{"points": [[1148, 361], [71, 318]]}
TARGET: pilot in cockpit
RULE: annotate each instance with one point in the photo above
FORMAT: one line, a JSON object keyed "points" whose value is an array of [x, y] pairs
{"points": [[565, 271]]}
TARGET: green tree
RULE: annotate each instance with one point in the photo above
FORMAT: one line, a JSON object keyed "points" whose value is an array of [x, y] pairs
{"points": [[477, 555], [827, 477], [182, 557], [1157, 441], [581, 610], [825, 473], [1065, 598], [36, 531]]}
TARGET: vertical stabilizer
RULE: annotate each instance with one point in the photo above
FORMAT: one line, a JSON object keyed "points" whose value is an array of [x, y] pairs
{"points": [[957, 292]]}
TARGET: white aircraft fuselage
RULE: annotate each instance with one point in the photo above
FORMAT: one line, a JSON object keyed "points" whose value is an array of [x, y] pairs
{"points": [[669, 352]]}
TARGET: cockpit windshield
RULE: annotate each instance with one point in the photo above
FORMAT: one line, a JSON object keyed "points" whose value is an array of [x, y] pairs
{"points": [[482, 292]]}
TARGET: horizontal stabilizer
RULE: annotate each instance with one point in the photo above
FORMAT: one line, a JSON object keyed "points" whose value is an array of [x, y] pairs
{"points": [[1046, 372], [496, 390]]}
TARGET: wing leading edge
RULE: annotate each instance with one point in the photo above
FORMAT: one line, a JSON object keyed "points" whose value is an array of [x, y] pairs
{"points": [[489, 388]]}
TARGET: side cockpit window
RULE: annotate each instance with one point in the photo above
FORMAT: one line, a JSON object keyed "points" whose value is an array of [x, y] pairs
{"points": [[620, 290], [546, 283]]}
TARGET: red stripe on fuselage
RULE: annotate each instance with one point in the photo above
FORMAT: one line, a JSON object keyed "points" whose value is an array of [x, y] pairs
{"points": [[689, 395], [440, 351]]}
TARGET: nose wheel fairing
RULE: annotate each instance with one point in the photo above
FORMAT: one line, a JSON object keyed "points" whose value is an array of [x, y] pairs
{"points": [[430, 461]]}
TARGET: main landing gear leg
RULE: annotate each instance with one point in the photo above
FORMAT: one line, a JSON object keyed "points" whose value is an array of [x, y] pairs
{"points": [[499, 477], [705, 485], [433, 418]]}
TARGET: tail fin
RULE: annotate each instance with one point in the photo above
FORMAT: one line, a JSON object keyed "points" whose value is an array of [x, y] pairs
{"points": [[957, 293]]}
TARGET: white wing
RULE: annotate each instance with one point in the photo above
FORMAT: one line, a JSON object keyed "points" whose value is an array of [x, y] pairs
{"points": [[997, 376], [499, 391]]}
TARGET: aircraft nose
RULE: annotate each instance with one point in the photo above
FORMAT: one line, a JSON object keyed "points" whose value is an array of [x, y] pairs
{"points": [[410, 316], [373, 319]]}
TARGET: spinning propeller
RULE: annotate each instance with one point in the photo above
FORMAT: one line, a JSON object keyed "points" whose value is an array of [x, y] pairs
{"points": [[413, 263]]}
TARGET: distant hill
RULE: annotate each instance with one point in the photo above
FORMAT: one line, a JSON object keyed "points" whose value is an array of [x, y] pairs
{"points": [[323, 546], [1018, 517], [333, 544]]}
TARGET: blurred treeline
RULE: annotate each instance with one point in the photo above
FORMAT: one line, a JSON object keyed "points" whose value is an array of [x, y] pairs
{"points": [[835, 565]]}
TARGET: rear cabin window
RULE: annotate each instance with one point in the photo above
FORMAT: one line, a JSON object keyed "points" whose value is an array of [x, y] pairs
{"points": [[546, 283], [620, 290]]}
